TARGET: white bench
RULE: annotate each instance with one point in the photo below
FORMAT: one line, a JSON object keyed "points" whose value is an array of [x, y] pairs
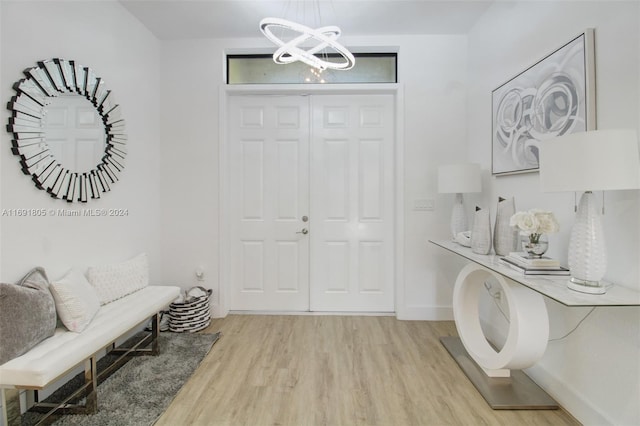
{"points": [[59, 354]]}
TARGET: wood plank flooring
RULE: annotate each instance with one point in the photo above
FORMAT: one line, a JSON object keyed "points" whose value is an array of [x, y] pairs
{"points": [[335, 370]]}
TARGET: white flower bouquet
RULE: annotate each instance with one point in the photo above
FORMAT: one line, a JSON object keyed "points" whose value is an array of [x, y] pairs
{"points": [[535, 223]]}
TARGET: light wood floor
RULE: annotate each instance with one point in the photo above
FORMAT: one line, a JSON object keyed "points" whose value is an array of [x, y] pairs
{"points": [[335, 370]]}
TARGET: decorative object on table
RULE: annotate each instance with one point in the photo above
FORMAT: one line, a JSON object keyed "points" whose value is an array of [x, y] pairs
{"points": [[534, 225], [192, 312], [481, 233], [505, 238], [534, 270], [464, 238], [525, 259], [143, 388], [527, 265], [553, 97], [458, 179], [535, 244], [599, 160]]}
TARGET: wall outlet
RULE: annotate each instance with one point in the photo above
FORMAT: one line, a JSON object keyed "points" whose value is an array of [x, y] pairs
{"points": [[200, 274]]}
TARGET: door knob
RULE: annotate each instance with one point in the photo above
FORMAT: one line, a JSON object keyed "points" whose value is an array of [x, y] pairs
{"points": [[304, 231], [305, 218]]}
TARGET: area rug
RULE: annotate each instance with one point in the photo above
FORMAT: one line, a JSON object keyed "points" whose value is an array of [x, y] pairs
{"points": [[142, 389]]}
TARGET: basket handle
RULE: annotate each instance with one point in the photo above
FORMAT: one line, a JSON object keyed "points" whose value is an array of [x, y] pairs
{"points": [[207, 291]]}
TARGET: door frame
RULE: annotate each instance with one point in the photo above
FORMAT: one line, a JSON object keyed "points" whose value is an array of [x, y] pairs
{"points": [[226, 91]]}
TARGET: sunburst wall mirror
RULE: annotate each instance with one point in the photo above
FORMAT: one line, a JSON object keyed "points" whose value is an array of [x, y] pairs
{"points": [[67, 130]]}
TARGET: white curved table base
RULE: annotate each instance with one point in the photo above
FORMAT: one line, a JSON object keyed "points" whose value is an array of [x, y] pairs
{"points": [[491, 373], [528, 322]]}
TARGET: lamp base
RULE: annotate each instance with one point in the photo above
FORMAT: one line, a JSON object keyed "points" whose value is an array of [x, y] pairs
{"points": [[587, 251], [458, 217], [584, 286]]}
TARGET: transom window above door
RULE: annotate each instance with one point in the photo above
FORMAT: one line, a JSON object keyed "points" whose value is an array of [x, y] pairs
{"points": [[260, 69]]}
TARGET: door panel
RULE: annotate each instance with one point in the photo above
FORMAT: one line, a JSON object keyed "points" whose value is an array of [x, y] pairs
{"points": [[343, 182], [269, 186], [352, 203]]}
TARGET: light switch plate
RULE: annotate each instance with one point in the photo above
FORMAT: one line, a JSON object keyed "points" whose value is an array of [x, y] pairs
{"points": [[424, 205]]}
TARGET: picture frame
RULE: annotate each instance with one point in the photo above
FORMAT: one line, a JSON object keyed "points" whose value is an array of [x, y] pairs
{"points": [[553, 97]]}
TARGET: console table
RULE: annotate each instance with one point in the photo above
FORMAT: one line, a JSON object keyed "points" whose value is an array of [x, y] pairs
{"points": [[496, 374]]}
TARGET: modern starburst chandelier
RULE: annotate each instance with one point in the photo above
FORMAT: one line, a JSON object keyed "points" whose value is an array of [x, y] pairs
{"points": [[292, 50]]}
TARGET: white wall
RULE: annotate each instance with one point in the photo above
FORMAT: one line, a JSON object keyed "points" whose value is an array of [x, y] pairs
{"points": [[191, 74], [432, 70], [595, 372], [105, 37]]}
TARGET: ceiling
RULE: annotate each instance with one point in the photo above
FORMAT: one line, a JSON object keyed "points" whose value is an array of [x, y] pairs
{"points": [[185, 19]]}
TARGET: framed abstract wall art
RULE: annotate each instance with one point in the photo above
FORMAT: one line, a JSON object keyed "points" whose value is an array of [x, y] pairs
{"points": [[553, 97]]}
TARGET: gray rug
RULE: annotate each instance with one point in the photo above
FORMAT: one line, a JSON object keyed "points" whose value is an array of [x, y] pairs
{"points": [[141, 390]]}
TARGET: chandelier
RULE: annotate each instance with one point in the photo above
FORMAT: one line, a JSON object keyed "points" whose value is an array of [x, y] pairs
{"points": [[292, 50]]}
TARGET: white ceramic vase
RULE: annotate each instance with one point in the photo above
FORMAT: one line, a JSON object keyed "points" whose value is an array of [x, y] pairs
{"points": [[505, 237], [481, 232]]}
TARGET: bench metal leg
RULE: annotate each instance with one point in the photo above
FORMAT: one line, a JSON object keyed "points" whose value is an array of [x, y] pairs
{"points": [[155, 326], [11, 407], [11, 397], [91, 380], [140, 347], [89, 389]]}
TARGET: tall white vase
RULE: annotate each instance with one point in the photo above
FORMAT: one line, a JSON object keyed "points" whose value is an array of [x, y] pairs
{"points": [[587, 251], [481, 232], [505, 237]]}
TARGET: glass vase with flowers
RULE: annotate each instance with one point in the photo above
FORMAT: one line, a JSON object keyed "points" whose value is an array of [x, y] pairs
{"points": [[535, 225]]}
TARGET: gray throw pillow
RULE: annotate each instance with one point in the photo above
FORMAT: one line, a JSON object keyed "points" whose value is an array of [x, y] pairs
{"points": [[27, 314]]}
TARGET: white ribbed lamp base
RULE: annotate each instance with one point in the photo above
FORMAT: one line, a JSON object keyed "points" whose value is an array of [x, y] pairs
{"points": [[587, 251]]}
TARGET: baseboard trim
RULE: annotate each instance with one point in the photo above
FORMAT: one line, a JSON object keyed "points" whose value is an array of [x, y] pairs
{"points": [[315, 313], [571, 400], [426, 313]]}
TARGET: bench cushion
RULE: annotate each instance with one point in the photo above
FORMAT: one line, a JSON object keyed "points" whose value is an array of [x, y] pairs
{"points": [[60, 353], [76, 301], [114, 281], [27, 314]]}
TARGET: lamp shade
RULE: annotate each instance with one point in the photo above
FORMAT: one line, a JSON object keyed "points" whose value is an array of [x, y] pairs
{"points": [[598, 160], [459, 178]]}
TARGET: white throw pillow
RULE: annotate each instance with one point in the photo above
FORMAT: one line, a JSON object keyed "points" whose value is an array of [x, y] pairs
{"points": [[113, 282], [76, 301]]}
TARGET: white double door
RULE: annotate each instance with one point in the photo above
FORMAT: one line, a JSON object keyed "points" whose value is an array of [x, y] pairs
{"points": [[311, 203]]}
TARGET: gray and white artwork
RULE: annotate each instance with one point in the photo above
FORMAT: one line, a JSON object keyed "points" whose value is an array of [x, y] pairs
{"points": [[548, 99]]}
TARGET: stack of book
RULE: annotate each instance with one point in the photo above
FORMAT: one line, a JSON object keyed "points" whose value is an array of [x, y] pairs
{"points": [[528, 265]]}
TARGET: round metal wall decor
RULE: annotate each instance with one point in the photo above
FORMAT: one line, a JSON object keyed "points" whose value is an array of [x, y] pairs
{"points": [[48, 82]]}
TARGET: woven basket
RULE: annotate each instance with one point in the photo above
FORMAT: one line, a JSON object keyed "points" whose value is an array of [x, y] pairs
{"points": [[192, 314]]}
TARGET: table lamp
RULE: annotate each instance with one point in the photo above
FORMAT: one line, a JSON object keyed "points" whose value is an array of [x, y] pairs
{"points": [[599, 160], [458, 179]]}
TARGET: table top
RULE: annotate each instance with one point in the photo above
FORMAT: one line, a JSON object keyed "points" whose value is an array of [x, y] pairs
{"points": [[554, 287]]}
